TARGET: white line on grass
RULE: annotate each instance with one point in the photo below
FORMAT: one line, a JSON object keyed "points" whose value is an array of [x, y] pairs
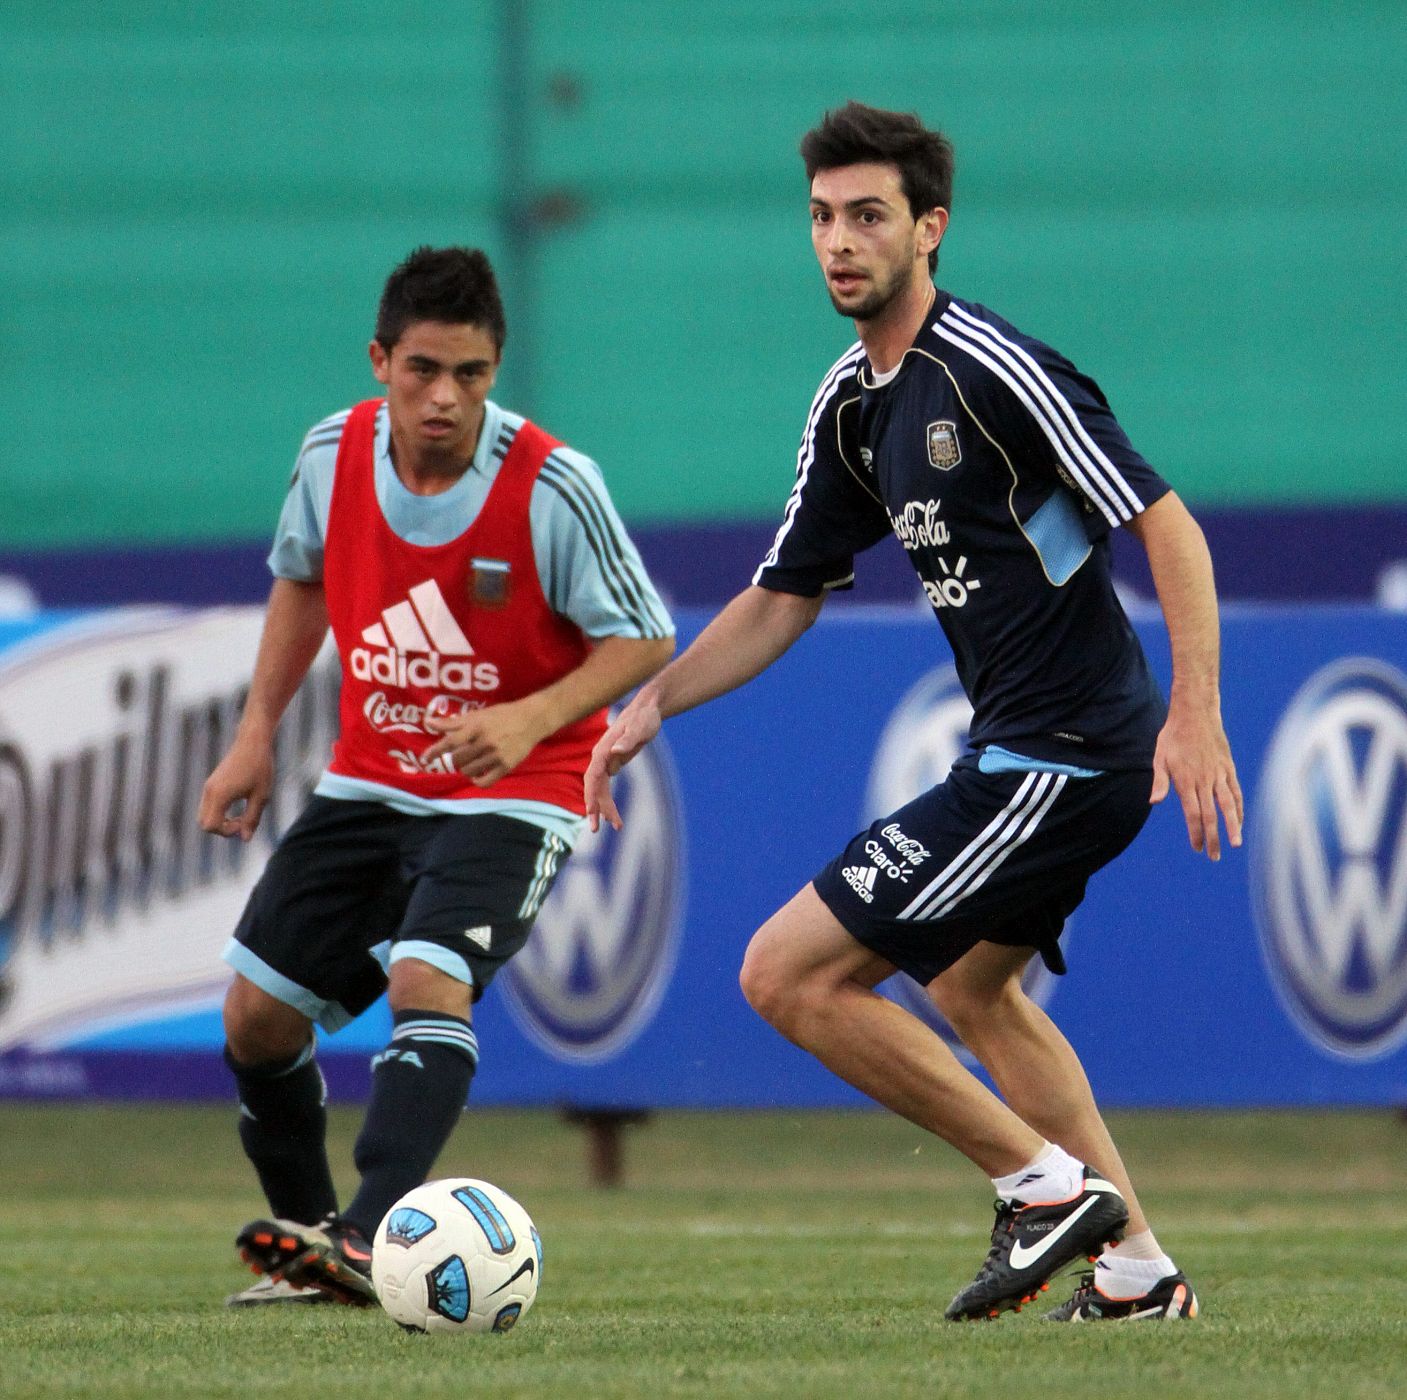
{"points": [[729, 1229]]}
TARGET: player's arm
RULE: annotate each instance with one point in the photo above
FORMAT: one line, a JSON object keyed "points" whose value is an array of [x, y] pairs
{"points": [[1192, 754], [741, 642], [295, 624], [486, 744]]}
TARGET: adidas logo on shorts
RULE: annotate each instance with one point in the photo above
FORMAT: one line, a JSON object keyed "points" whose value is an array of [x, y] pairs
{"points": [[860, 878]]}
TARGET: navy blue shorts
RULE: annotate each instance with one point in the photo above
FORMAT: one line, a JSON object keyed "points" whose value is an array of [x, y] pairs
{"points": [[994, 857], [353, 886]]}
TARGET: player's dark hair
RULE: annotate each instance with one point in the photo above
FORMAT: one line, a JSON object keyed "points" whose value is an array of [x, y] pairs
{"points": [[858, 135], [455, 286]]}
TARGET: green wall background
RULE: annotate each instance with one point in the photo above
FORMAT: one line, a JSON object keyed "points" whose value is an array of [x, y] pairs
{"points": [[1201, 204]]}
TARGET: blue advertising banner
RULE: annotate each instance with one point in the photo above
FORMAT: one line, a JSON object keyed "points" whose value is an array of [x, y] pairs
{"points": [[1277, 976], [1264, 554]]}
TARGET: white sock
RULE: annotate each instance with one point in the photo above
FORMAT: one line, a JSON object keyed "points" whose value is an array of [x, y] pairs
{"points": [[1118, 1277], [1051, 1175], [1139, 1246]]}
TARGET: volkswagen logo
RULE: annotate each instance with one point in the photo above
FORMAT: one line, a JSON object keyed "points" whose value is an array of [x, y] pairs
{"points": [[924, 737], [600, 956], [1330, 858]]}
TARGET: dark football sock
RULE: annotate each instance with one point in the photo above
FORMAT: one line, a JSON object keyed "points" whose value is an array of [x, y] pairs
{"points": [[418, 1087], [283, 1127]]}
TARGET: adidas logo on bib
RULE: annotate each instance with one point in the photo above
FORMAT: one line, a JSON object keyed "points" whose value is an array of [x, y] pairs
{"points": [[417, 642]]}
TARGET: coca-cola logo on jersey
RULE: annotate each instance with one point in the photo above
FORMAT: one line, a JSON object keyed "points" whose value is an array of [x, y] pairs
{"points": [[388, 716], [920, 526]]}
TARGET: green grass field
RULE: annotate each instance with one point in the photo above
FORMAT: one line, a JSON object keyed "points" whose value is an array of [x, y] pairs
{"points": [[774, 1254]]}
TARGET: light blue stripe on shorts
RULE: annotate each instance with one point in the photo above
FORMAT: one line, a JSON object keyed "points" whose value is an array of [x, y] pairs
{"points": [[330, 1015], [448, 962]]}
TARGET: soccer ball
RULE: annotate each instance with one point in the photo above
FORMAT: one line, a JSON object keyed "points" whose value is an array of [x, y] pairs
{"points": [[457, 1255]]}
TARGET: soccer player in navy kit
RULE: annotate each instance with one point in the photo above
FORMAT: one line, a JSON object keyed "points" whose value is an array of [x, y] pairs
{"points": [[1001, 469], [486, 605]]}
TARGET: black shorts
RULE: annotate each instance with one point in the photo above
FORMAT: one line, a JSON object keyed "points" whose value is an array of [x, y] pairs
{"points": [[994, 857], [354, 886]]}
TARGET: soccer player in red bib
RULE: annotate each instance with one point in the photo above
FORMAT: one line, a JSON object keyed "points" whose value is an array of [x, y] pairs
{"points": [[1001, 470], [487, 606]]}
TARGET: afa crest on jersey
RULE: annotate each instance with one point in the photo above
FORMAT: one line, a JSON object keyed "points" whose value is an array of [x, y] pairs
{"points": [[943, 449]]}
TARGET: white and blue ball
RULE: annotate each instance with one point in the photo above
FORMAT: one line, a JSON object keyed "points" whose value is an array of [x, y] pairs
{"points": [[457, 1255]]}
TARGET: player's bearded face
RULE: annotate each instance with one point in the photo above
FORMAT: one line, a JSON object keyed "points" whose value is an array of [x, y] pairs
{"points": [[866, 238], [884, 285]]}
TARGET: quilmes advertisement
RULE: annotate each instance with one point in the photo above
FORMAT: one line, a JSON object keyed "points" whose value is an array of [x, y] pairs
{"points": [[113, 905], [1279, 974]]}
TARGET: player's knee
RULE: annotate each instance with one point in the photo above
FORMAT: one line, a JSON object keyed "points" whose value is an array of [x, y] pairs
{"points": [[766, 983], [784, 995], [755, 981], [419, 986], [259, 1028], [959, 1013], [975, 1009]]}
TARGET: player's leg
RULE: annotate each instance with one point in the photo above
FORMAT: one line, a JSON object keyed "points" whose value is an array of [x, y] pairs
{"points": [[921, 887], [1033, 1065], [478, 883], [811, 980], [419, 1084], [282, 1126], [282, 1119], [300, 957], [282, 1101], [1041, 1077]]}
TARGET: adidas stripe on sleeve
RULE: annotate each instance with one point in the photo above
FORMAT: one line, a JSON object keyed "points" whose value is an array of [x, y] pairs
{"points": [[591, 571], [1068, 422], [297, 548], [829, 517]]}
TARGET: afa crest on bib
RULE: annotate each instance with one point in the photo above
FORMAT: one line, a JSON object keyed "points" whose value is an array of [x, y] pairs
{"points": [[489, 582], [943, 450]]}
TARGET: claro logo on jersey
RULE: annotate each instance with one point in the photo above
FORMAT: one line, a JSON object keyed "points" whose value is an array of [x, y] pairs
{"points": [[604, 945], [1329, 847], [113, 904], [924, 737], [921, 527], [418, 643]]}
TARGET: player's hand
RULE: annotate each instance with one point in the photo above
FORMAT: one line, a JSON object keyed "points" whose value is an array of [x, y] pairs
{"points": [[486, 745], [637, 724], [245, 774], [1194, 757]]}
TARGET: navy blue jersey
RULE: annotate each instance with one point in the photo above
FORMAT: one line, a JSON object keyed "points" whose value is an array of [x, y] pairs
{"points": [[1001, 469]]}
